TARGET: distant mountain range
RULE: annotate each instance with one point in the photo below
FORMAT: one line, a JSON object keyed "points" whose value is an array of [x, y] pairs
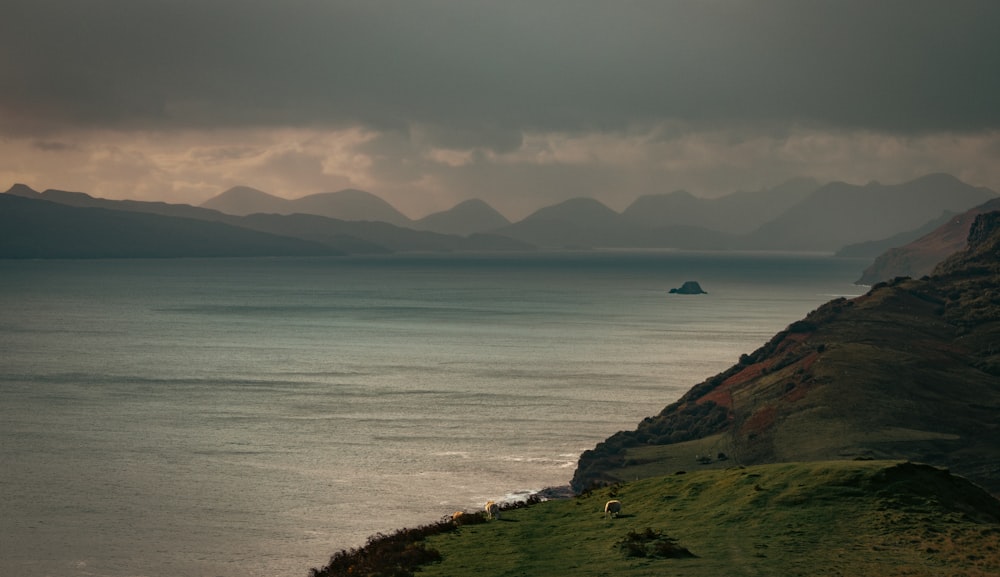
{"points": [[910, 370], [31, 228], [839, 214], [44, 225], [800, 215], [348, 204], [735, 214]]}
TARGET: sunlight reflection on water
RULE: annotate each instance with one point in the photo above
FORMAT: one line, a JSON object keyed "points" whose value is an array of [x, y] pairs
{"points": [[231, 417]]}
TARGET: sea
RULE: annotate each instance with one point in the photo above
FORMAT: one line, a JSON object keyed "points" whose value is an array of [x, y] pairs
{"points": [[251, 417]]}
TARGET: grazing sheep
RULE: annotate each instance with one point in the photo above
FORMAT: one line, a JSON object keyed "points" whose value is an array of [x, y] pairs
{"points": [[612, 508], [492, 510]]}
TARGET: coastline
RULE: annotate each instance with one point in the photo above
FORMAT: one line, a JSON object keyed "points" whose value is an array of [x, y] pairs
{"points": [[545, 494]]}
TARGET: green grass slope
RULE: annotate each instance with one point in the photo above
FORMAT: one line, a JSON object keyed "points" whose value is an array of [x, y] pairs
{"points": [[857, 518]]}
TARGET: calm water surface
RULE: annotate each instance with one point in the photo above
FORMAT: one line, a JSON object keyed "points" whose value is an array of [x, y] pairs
{"points": [[252, 416]]}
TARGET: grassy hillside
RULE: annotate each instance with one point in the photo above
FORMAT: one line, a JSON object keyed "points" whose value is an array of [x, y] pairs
{"points": [[910, 370], [853, 518]]}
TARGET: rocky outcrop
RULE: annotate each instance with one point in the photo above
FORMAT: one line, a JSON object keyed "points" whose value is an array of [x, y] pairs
{"points": [[688, 288], [982, 232]]}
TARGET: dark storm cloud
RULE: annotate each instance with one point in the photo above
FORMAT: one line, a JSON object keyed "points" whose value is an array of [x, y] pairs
{"points": [[480, 73]]}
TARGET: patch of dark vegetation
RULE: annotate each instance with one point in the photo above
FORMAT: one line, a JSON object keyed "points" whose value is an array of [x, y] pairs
{"points": [[686, 422], [913, 485], [653, 544], [803, 326], [401, 553], [394, 555]]}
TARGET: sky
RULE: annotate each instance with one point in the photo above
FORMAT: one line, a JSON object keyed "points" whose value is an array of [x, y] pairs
{"points": [[523, 104]]}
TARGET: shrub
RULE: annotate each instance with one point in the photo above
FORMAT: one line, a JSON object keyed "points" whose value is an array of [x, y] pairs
{"points": [[394, 555], [402, 553], [652, 543]]}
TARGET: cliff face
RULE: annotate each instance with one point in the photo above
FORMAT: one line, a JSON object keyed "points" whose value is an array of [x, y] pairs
{"points": [[983, 251], [910, 370]]}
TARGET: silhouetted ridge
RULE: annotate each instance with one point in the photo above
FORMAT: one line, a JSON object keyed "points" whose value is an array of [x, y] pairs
{"points": [[32, 228], [42, 240], [469, 217], [23, 190], [348, 204], [799, 215]]}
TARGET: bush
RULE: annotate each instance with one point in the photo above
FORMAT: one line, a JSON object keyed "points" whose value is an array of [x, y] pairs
{"points": [[402, 553], [394, 555], [652, 543]]}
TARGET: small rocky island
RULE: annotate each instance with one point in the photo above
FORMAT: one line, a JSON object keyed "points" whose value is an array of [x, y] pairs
{"points": [[689, 288]]}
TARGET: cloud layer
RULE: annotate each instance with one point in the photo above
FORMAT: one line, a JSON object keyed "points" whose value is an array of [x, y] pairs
{"points": [[520, 103]]}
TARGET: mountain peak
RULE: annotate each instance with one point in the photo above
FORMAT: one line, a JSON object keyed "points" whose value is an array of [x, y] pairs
{"points": [[465, 218], [23, 190], [243, 189], [938, 178], [243, 193], [346, 193], [580, 210], [349, 204], [244, 200], [473, 203]]}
